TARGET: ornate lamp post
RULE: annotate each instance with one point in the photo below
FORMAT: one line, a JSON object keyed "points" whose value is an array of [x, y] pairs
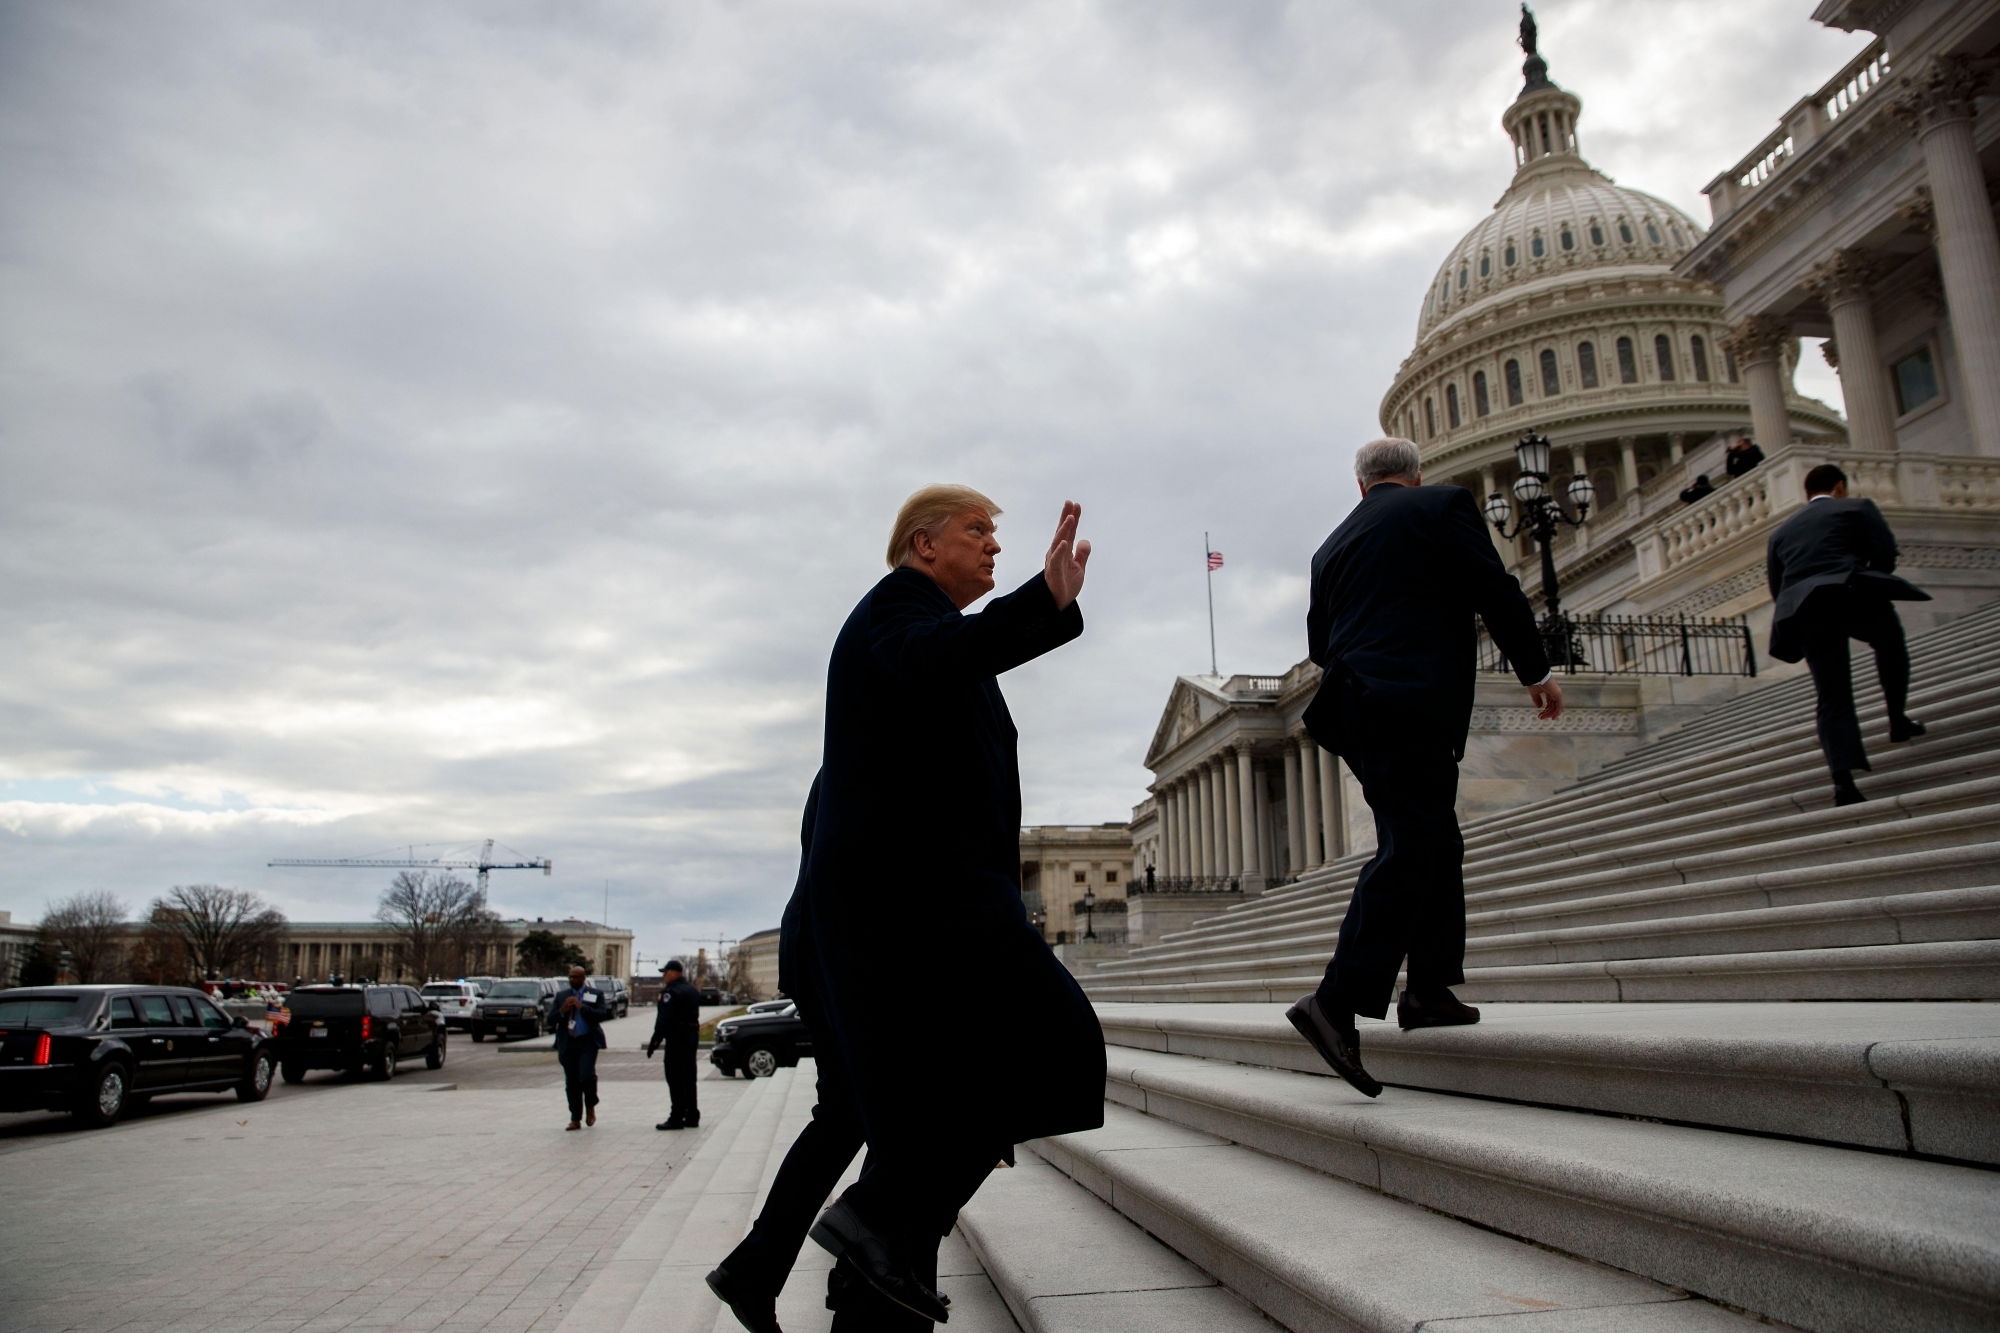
{"points": [[1540, 514], [1041, 920], [1089, 913]]}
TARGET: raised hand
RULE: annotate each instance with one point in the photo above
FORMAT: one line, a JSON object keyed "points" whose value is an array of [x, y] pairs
{"points": [[1062, 567]]}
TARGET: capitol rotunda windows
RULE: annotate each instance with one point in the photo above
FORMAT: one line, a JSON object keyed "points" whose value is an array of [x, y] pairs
{"points": [[1451, 406], [1535, 246], [1625, 231], [1567, 238], [1663, 355], [1586, 364], [1596, 234], [1513, 371], [1628, 364], [1551, 384], [1699, 347], [1480, 402], [1510, 256]]}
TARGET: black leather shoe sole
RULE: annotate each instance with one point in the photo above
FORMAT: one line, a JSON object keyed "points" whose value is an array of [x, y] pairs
{"points": [[1322, 1038], [1907, 731], [756, 1311], [670, 1124], [845, 1236]]}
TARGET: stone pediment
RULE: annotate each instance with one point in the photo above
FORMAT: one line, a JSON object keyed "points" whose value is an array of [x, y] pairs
{"points": [[1189, 709]]}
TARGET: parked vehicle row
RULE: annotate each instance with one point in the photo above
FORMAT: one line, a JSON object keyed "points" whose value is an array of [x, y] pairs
{"points": [[357, 1029], [526, 1006]]}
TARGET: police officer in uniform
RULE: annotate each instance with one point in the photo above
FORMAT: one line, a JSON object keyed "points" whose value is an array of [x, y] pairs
{"points": [[676, 1026]]}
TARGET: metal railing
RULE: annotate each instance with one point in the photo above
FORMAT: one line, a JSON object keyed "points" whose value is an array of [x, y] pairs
{"points": [[1640, 646], [1185, 884]]}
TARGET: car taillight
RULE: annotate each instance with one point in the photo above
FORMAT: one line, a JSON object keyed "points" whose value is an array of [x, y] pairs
{"points": [[42, 1049], [366, 1027]]}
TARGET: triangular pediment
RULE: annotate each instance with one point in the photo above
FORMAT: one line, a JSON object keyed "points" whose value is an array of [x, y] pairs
{"points": [[1189, 708]]}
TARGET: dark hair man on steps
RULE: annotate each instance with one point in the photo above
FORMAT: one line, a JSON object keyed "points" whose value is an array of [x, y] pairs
{"points": [[1394, 592], [1832, 572]]}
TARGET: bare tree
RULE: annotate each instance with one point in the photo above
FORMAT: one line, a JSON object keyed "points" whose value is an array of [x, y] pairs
{"points": [[201, 930], [437, 919], [91, 926]]}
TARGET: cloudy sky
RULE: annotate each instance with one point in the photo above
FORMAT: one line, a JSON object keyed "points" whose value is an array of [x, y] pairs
{"points": [[426, 423]]}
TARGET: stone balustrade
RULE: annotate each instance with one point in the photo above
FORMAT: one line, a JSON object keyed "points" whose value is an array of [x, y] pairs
{"points": [[1803, 125]]}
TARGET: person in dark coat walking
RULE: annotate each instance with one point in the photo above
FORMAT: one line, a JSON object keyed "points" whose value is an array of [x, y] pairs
{"points": [[581, 1013], [912, 872], [677, 1028], [1394, 591], [1832, 572]]}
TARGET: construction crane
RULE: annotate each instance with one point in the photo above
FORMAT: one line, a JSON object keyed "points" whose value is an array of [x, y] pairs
{"points": [[482, 864]]}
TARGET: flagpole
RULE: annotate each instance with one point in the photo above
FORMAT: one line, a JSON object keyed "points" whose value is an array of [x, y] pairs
{"points": [[1209, 565]]}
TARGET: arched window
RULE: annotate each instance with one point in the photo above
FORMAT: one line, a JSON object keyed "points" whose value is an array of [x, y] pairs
{"points": [[1464, 276], [1586, 364], [1596, 234], [1605, 482], [1535, 246], [1430, 419], [1551, 384], [1513, 369], [1699, 347], [1485, 265], [1625, 231], [1568, 238], [1729, 363], [1444, 289], [1663, 354], [1674, 232], [1628, 365], [1480, 402], [1451, 406], [1652, 231], [1510, 256]]}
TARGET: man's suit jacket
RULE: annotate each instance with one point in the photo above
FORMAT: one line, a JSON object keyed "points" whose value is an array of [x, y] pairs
{"points": [[1831, 543], [594, 1016], [1394, 592]]}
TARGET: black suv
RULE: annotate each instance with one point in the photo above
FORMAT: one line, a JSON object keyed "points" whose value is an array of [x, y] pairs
{"points": [[356, 1029], [95, 1050], [757, 1045], [526, 1005]]}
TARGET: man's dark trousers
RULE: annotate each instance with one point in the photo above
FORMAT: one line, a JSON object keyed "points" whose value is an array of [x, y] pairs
{"points": [[679, 1051], [579, 1063], [1835, 616], [1410, 897]]}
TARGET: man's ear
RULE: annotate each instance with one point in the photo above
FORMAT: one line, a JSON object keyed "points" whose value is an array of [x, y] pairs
{"points": [[923, 544]]}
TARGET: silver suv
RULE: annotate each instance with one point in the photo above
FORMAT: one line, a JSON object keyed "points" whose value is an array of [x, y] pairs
{"points": [[456, 1000]]}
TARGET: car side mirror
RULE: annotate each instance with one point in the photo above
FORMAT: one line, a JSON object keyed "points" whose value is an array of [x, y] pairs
{"points": [[239, 1021]]}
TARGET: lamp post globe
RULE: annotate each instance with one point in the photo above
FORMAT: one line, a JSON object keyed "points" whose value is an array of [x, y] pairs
{"points": [[1541, 515]]}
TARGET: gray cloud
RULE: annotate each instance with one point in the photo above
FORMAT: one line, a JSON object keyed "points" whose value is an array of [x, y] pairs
{"points": [[424, 424]]}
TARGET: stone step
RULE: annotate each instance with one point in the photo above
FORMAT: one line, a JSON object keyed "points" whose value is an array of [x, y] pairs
{"points": [[1951, 970], [1908, 1078], [1065, 1261], [1315, 1253], [1827, 1238], [1311, 925], [1306, 921]]}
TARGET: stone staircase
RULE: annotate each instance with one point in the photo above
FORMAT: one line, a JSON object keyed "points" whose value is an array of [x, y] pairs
{"points": [[1645, 1132], [1709, 865]]}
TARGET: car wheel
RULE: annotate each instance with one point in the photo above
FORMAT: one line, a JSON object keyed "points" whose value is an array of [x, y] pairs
{"points": [[434, 1057], [291, 1072], [383, 1066], [761, 1063], [256, 1085], [479, 1034], [103, 1101]]}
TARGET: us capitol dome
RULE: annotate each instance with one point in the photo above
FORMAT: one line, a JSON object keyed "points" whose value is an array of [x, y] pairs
{"points": [[1560, 312]]}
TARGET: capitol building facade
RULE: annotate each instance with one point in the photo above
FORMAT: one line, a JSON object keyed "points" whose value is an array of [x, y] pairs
{"points": [[1642, 345]]}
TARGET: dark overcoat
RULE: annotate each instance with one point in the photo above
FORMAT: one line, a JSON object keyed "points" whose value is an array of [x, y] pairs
{"points": [[1395, 588], [907, 932], [1834, 542]]}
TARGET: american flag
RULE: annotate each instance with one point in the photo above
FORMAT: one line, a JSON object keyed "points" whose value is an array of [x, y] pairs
{"points": [[1214, 561]]}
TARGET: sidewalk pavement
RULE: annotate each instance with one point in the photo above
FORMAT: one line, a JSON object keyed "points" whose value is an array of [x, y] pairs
{"points": [[444, 1202]]}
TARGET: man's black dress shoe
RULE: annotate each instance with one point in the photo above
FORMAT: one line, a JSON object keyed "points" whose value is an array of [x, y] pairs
{"points": [[1845, 792], [1905, 729], [1340, 1048], [1443, 1010], [671, 1122], [754, 1307], [842, 1233]]}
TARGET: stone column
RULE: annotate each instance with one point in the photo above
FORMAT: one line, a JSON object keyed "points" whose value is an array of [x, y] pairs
{"points": [[1293, 845], [1250, 865], [1163, 800], [1676, 447], [1628, 463], [1309, 800], [1938, 102], [1232, 820], [1267, 862], [1218, 828], [1184, 801], [1329, 805], [1842, 282], [1199, 781], [1758, 344]]}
